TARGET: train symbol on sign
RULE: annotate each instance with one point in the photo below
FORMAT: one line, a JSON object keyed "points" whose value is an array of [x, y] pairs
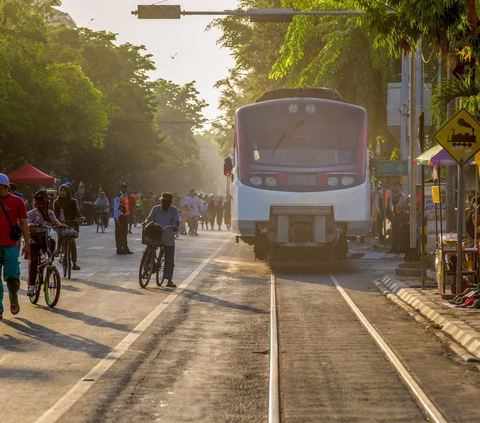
{"points": [[466, 139]]}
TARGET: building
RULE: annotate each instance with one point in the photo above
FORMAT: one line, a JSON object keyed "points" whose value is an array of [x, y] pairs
{"points": [[59, 16]]}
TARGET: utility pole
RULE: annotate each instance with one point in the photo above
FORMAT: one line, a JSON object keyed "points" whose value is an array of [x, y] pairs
{"points": [[413, 152], [450, 186], [404, 112]]}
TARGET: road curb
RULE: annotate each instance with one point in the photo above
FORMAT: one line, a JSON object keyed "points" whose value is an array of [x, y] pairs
{"points": [[460, 331]]}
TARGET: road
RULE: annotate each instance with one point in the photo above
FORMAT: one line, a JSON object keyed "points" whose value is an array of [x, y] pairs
{"points": [[113, 352]]}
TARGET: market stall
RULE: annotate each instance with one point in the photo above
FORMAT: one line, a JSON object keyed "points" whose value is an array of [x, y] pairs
{"points": [[30, 175], [447, 243]]}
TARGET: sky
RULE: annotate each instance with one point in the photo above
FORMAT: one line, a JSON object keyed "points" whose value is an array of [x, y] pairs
{"points": [[198, 58]]}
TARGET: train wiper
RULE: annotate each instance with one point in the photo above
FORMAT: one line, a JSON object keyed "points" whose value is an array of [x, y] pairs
{"points": [[287, 132]]}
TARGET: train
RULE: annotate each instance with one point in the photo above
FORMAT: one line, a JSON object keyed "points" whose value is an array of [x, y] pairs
{"points": [[299, 176]]}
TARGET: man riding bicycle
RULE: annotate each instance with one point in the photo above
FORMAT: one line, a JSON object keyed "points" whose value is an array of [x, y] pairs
{"points": [[166, 215], [38, 219]]}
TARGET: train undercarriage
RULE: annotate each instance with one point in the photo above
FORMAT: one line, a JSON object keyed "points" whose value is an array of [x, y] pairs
{"points": [[299, 236]]}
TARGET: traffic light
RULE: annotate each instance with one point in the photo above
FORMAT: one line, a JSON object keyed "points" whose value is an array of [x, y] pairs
{"points": [[155, 11], [270, 15]]}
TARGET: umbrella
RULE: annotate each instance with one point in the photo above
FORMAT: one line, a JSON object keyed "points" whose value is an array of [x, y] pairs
{"points": [[437, 156]]}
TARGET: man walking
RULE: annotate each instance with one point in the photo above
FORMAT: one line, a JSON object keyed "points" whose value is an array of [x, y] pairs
{"points": [[121, 212], [397, 202], [167, 215], [12, 212], [194, 205]]}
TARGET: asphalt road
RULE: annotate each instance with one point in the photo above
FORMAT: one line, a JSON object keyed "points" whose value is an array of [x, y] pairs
{"points": [[201, 353]]}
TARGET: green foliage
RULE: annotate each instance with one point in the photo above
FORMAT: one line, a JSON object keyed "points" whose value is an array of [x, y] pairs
{"points": [[77, 103], [322, 51]]}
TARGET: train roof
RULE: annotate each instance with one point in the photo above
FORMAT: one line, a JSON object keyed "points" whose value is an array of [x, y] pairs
{"points": [[324, 93]]}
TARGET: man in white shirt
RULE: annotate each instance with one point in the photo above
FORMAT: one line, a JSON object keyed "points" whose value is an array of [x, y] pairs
{"points": [[194, 205]]}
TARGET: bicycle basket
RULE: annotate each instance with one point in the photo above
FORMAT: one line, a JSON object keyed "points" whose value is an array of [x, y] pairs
{"points": [[70, 233], [152, 235]]}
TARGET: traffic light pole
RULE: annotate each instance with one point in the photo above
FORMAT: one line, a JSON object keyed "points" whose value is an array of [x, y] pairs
{"points": [[156, 11]]}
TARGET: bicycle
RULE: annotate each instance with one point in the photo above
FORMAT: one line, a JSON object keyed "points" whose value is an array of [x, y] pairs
{"points": [[99, 221], [151, 262], [66, 248], [47, 275]]}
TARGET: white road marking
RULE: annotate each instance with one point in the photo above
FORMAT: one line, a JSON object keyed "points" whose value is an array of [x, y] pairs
{"points": [[95, 248], [81, 387], [273, 388], [79, 246], [407, 378], [138, 249]]}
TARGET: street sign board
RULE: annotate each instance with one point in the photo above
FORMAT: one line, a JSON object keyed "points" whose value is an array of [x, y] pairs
{"points": [[460, 137], [392, 168]]}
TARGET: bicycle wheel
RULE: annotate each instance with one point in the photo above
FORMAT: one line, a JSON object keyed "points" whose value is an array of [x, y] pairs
{"points": [[38, 286], [52, 287], [146, 267], [98, 225], [102, 226], [160, 266], [67, 260]]}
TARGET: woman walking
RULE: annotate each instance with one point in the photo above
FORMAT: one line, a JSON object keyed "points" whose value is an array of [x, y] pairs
{"points": [[66, 211], [227, 211]]}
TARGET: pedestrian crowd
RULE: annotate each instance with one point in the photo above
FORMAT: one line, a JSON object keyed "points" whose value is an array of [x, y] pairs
{"points": [[67, 209]]}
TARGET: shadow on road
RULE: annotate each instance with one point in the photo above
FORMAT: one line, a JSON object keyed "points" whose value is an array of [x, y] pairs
{"points": [[115, 288], [195, 296], [60, 340], [14, 373], [88, 320]]}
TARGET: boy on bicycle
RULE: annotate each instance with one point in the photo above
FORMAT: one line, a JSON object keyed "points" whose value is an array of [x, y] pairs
{"points": [[167, 215], [38, 219]]}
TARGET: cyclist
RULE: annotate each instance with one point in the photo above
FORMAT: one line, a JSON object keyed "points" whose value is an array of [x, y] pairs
{"points": [[66, 211], [167, 215], [102, 206], [37, 219]]}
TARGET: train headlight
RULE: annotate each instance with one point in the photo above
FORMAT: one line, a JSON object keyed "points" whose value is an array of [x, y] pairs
{"points": [[271, 181], [332, 181], [348, 180], [293, 108], [256, 180], [310, 108]]}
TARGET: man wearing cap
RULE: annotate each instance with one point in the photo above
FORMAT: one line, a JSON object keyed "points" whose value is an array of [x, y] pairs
{"points": [[12, 211], [121, 212], [167, 215]]}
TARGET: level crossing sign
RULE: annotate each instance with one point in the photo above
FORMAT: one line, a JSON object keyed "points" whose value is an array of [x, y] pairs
{"points": [[392, 168], [460, 137]]}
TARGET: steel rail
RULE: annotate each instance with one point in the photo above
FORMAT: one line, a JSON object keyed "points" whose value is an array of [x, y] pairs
{"points": [[274, 387], [422, 399]]}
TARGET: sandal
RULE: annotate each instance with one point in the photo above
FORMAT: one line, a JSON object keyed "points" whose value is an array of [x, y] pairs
{"points": [[15, 308]]}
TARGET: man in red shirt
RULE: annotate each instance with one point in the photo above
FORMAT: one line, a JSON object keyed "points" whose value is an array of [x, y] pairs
{"points": [[12, 212]]}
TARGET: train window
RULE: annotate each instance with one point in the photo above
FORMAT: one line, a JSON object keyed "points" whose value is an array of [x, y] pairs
{"points": [[304, 146]]}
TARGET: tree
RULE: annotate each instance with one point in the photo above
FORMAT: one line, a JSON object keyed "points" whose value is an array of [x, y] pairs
{"points": [[328, 51], [45, 106]]}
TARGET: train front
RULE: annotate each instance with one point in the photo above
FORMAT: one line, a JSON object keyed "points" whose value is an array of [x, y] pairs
{"points": [[300, 183]]}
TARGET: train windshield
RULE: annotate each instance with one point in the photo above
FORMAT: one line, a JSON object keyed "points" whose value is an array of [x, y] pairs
{"points": [[303, 145]]}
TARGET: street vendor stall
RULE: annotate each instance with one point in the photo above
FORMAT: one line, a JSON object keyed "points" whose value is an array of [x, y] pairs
{"points": [[447, 243], [27, 174]]}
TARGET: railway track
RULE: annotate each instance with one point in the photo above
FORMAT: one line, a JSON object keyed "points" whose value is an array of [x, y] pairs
{"points": [[312, 372]]}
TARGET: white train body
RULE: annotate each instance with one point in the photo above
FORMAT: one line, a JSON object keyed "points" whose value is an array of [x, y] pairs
{"points": [[299, 177]]}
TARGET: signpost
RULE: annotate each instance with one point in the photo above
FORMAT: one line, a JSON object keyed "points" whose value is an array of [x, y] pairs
{"points": [[392, 168], [460, 137]]}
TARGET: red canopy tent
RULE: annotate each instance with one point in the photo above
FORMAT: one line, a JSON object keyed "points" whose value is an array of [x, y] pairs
{"points": [[27, 174]]}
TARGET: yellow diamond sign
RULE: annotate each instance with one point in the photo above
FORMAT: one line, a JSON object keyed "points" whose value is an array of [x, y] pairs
{"points": [[460, 137]]}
